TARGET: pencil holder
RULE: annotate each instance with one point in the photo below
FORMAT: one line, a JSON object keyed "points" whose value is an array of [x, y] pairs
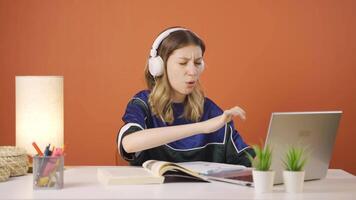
{"points": [[48, 172]]}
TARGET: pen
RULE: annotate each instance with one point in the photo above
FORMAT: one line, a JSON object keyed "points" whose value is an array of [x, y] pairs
{"points": [[44, 160], [39, 152], [46, 151]]}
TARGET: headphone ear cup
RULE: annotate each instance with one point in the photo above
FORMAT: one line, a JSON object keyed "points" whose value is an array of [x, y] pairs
{"points": [[156, 66]]}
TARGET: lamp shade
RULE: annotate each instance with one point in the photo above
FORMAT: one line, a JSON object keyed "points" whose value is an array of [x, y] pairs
{"points": [[39, 112]]}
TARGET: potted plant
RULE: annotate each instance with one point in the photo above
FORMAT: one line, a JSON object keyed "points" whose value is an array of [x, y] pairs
{"points": [[263, 177], [293, 175]]}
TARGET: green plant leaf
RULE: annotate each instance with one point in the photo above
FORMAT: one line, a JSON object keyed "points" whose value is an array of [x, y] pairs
{"points": [[295, 159], [262, 161]]}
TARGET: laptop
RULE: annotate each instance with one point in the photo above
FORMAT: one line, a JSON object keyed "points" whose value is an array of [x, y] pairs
{"points": [[314, 130]]}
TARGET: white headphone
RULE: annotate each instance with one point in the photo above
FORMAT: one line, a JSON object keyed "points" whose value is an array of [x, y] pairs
{"points": [[155, 62]]}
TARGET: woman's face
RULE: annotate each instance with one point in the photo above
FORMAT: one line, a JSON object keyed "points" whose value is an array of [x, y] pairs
{"points": [[184, 67]]}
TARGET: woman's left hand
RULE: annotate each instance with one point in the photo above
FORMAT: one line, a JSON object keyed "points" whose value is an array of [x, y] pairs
{"points": [[232, 112], [216, 123]]}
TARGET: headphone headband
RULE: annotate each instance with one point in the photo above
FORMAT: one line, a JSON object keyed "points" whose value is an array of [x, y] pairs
{"points": [[160, 38]]}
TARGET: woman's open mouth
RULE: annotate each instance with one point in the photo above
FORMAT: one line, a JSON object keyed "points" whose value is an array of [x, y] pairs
{"points": [[190, 83]]}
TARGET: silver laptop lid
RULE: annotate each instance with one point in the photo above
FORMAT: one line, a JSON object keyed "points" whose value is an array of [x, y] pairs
{"points": [[314, 130]]}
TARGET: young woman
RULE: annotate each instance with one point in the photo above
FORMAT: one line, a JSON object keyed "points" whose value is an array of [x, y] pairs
{"points": [[172, 120]]}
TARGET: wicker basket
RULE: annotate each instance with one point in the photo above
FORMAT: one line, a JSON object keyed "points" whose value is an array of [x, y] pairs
{"points": [[4, 173], [13, 159]]}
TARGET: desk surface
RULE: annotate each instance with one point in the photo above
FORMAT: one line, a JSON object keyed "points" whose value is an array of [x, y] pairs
{"points": [[81, 182]]}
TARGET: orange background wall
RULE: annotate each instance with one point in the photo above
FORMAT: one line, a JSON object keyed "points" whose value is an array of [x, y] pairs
{"points": [[264, 56]]}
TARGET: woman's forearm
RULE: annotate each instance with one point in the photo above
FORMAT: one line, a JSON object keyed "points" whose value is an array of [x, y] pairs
{"points": [[150, 138]]}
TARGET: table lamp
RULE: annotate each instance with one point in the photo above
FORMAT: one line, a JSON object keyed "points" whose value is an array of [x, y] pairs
{"points": [[39, 112]]}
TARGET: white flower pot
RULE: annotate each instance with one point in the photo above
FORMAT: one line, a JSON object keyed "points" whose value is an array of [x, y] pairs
{"points": [[263, 181], [293, 181]]}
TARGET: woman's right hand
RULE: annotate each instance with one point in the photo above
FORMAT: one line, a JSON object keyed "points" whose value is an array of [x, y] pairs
{"points": [[216, 123]]}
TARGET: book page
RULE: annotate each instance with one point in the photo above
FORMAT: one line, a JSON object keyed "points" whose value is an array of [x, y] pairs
{"points": [[243, 177], [209, 168], [154, 166], [158, 168]]}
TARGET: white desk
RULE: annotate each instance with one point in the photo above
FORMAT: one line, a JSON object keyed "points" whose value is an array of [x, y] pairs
{"points": [[81, 182]]}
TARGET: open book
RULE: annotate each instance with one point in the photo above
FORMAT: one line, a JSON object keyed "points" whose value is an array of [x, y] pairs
{"points": [[153, 171]]}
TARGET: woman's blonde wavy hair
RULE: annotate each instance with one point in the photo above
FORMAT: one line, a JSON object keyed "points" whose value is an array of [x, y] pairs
{"points": [[160, 98]]}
